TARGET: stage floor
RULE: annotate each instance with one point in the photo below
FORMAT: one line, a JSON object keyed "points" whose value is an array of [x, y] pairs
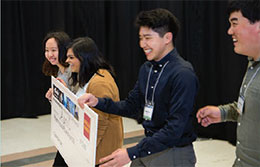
{"points": [[26, 142]]}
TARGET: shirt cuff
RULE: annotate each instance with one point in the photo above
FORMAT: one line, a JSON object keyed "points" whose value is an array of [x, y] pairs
{"points": [[133, 152], [223, 113], [100, 103]]}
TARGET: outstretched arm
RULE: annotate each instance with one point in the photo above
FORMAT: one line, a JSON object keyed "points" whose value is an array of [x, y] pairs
{"points": [[117, 159], [88, 99], [209, 115]]}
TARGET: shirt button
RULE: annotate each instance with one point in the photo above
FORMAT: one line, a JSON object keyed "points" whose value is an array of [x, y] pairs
{"points": [[238, 159], [238, 123], [238, 142], [152, 87], [244, 86], [251, 68], [160, 65], [155, 71], [134, 157], [149, 152]]}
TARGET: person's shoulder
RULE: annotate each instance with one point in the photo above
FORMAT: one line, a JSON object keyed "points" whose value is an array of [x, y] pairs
{"points": [[103, 72], [106, 73], [102, 83], [103, 75], [146, 64], [182, 68], [181, 64]]}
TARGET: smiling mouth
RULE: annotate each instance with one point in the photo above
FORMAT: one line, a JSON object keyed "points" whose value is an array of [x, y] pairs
{"points": [[234, 40], [52, 60], [147, 51]]}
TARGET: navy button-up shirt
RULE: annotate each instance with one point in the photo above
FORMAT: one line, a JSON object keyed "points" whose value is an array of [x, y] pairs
{"points": [[174, 96]]}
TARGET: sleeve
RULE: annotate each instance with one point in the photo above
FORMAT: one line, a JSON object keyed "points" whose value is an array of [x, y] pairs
{"points": [[182, 95], [102, 89], [126, 108], [229, 112]]}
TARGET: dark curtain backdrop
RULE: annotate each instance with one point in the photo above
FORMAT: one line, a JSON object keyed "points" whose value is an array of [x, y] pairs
{"points": [[203, 41]]}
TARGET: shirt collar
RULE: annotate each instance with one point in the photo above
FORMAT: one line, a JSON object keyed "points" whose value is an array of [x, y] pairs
{"points": [[253, 62], [166, 58]]}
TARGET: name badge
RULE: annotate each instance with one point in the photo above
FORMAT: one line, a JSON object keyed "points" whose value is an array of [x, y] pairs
{"points": [[240, 104], [148, 112]]}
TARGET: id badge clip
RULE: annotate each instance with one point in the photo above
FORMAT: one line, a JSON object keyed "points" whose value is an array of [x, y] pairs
{"points": [[148, 112], [240, 104]]}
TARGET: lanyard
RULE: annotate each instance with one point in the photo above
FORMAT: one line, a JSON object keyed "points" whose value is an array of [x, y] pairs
{"points": [[157, 80], [250, 81]]}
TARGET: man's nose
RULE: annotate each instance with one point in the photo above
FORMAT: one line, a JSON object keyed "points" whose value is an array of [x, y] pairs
{"points": [[230, 31], [142, 43]]}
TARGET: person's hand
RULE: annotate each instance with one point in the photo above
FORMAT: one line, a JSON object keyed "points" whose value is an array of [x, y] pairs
{"points": [[208, 115], [62, 81], [89, 99], [48, 95], [117, 159]]}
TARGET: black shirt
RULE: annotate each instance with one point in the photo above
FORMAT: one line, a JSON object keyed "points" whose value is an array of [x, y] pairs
{"points": [[174, 96]]}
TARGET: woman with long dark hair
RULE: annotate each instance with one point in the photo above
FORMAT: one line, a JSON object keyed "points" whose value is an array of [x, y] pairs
{"points": [[55, 44], [55, 49], [92, 74]]}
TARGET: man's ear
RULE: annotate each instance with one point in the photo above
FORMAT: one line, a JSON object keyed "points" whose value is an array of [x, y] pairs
{"points": [[168, 37]]}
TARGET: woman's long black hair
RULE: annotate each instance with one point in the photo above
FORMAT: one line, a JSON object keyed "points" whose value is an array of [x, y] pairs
{"points": [[91, 60], [62, 40]]}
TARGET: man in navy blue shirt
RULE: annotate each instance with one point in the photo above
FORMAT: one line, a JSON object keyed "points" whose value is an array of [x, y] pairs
{"points": [[162, 99]]}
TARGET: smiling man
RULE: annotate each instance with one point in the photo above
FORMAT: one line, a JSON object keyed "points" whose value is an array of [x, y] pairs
{"points": [[244, 18], [162, 99]]}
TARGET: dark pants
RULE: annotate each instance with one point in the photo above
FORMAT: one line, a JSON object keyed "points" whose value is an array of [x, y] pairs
{"points": [[59, 161], [172, 157]]}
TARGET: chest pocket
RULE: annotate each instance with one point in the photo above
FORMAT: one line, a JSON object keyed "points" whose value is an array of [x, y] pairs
{"points": [[252, 101], [254, 88]]}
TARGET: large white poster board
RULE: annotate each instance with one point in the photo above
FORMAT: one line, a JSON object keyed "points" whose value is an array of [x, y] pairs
{"points": [[73, 130]]}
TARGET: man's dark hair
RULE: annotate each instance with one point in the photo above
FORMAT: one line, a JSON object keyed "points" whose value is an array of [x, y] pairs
{"points": [[160, 21], [250, 9]]}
